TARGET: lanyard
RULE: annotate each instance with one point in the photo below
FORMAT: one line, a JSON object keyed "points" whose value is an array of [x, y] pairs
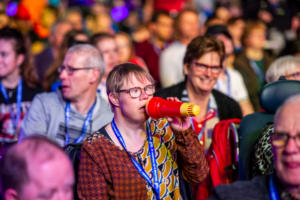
{"points": [[272, 189], [14, 118], [209, 115], [228, 92], [84, 126], [257, 71], [136, 164], [201, 125]]}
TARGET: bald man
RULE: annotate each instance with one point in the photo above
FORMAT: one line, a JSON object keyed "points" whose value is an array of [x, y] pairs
{"points": [[36, 168]]}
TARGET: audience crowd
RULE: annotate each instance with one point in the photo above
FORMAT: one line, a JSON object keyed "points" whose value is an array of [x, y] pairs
{"points": [[76, 78]]}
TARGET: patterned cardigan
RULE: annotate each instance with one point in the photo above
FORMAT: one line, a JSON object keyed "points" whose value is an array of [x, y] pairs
{"points": [[107, 172]]}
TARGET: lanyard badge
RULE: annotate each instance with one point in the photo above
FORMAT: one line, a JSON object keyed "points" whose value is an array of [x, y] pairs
{"points": [[14, 117], [139, 168], [84, 126]]}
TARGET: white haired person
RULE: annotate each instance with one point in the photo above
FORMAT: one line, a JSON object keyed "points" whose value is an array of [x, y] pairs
{"points": [[285, 66]]}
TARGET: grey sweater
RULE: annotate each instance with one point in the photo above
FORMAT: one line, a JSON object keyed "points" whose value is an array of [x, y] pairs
{"points": [[47, 116]]}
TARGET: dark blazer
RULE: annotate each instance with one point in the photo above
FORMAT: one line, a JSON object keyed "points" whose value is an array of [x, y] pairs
{"points": [[227, 107]]}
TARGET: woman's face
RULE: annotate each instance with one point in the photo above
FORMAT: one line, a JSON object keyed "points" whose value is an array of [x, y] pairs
{"points": [[9, 60], [133, 109], [203, 73], [256, 39]]}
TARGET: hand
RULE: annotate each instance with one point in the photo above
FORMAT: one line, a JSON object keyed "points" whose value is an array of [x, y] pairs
{"points": [[178, 123]]}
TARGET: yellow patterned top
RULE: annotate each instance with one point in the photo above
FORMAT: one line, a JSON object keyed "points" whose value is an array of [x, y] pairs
{"points": [[164, 144]]}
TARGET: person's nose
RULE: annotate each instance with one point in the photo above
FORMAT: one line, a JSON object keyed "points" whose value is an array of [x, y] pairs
{"points": [[63, 74], [291, 146], [208, 71], [144, 95]]}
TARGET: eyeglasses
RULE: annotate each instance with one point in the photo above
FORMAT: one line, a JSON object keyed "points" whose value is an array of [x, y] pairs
{"points": [[137, 91], [281, 139], [202, 67], [70, 70], [293, 75]]}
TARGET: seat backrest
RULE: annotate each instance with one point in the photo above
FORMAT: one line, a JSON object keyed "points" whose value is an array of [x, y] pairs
{"points": [[73, 151], [275, 93], [271, 96]]}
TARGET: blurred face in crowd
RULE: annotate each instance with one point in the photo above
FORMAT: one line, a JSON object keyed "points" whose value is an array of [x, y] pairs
{"points": [[188, 25], [124, 47], [9, 60], [75, 18], [286, 144], [164, 28], [236, 29], [203, 73], [109, 49], [50, 180], [227, 43], [223, 14], [256, 39], [61, 30]]}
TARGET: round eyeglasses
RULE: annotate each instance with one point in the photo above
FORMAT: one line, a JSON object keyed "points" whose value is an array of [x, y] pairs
{"points": [[137, 91], [281, 139]]}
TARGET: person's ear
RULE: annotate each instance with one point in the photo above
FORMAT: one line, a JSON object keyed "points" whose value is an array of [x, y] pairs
{"points": [[113, 99], [185, 69], [96, 74], [20, 59], [11, 194]]}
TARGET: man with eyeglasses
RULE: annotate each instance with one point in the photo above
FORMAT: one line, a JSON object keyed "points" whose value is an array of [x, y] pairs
{"points": [[76, 110], [284, 183]]}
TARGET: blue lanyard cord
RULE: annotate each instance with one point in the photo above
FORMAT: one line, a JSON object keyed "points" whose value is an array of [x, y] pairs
{"points": [[200, 134], [140, 169], [84, 126], [228, 83], [272, 189], [14, 118], [257, 71]]}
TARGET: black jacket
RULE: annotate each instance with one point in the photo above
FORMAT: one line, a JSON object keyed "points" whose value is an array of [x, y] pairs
{"points": [[227, 107]]}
